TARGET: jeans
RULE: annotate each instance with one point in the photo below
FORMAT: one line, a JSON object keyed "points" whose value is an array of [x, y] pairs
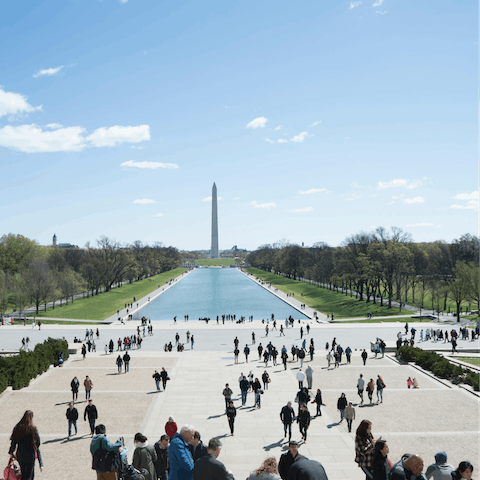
{"points": [[127, 367], [244, 397], [342, 414], [289, 427], [258, 402], [309, 382], [119, 367], [319, 411], [227, 401], [92, 421], [349, 424], [360, 394], [157, 382], [265, 385], [87, 394], [231, 421], [70, 423], [303, 430], [380, 394]]}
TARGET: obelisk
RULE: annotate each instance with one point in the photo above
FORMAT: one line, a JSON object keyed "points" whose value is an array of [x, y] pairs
{"points": [[214, 249]]}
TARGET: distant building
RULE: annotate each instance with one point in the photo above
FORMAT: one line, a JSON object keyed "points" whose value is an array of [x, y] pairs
{"points": [[54, 240]]}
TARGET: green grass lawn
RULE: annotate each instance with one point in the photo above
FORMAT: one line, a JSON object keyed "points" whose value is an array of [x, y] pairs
{"points": [[57, 322], [101, 306], [472, 361], [215, 261], [326, 301]]}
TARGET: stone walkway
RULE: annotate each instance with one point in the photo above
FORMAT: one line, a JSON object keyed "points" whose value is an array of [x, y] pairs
{"points": [[434, 417]]}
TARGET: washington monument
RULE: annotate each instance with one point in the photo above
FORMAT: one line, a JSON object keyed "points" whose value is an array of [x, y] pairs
{"points": [[214, 249]]}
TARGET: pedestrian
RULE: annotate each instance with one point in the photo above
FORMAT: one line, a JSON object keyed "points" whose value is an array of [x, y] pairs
{"points": [[349, 415], [156, 376], [235, 353], [329, 358], [380, 461], [72, 417], [126, 361], [380, 387], [84, 351], [341, 405], [246, 351], [370, 390], [360, 387], [119, 364], [364, 356], [165, 378], [260, 350], [287, 415], [208, 467], [88, 384], [303, 421], [284, 359], [104, 465], [253, 338], [409, 382], [287, 459], [227, 393], [301, 356], [144, 457], [75, 385], [265, 380], [92, 414], [365, 448], [309, 375], [257, 388], [171, 427], [244, 387], [300, 378], [348, 353], [318, 401], [180, 457], [231, 414], [25, 446], [162, 462], [191, 341]]}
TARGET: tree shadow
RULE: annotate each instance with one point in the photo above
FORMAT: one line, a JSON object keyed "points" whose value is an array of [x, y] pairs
{"points": [[331, 425], [153, 392], [216, 416]]}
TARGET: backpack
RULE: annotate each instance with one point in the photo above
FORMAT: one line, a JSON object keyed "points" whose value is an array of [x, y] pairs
{"points": [[104, 461]]}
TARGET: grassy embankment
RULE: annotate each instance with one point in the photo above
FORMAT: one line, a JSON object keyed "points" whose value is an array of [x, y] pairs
{"points": [[103, 305], [215, 261], [327, 301], [472, 361]]}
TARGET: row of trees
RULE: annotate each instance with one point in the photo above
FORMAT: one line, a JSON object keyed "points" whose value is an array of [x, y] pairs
{"points": [[35, 275], [383, 264]]}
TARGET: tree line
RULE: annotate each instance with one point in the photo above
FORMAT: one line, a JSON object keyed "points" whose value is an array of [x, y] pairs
{"points": [[384, 265], [31, 274]]}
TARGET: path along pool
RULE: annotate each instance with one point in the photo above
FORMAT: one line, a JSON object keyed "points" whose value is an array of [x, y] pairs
{"points": [[208, 292]]}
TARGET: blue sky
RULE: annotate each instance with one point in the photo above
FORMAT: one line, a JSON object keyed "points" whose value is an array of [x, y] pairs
{"points": [[315, 119]]}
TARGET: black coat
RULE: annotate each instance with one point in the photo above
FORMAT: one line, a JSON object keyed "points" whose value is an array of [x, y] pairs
{"points": [[305, 469], [162, 464], [342, 403], [287, 415], [304, 417], [90, 412], [209, 468], [72, 414]]}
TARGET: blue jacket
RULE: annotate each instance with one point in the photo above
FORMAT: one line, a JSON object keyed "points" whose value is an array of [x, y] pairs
{"points": [[180, 459]]}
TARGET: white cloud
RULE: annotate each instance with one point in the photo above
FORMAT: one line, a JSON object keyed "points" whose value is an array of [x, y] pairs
{"points": [[237, 198], [157, 215], [123, 1], [400, 183], [300, 137], [266, 206], [143, 201], [280, 140], [313, 190], [32, 139], [47, 71], [137, 148], [278, 128], [353, 5], [148, 165], [315, 123], [54, 126], [112, 136], [209, 199], [377, 3], [300, 210], [259, 122], [414, 200], [13, 103], [420, 225], [470, 205], [381, 13], [356, 185], [472, 200], [466, 196]]}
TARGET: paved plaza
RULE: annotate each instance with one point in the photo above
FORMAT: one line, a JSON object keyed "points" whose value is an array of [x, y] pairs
{"points": [[435, 417]]}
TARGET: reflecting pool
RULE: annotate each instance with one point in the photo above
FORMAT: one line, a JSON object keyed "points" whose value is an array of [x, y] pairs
{"points": [[208, 292]]}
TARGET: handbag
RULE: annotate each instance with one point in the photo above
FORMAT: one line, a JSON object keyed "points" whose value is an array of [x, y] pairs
{"points": [[12, 471]]}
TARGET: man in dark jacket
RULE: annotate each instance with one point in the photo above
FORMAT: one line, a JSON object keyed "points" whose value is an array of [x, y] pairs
{"points": [[208, 467], [287, 459], [161, 464], [197, 448], [287, 415], [305, 469], [304, 421], [126, 362], [244, 387], [72, 417], [246, 351], [231, 414], [92, 414]]}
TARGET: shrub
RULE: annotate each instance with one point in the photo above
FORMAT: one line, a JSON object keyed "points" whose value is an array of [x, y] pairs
{"points": [[439, 366]]}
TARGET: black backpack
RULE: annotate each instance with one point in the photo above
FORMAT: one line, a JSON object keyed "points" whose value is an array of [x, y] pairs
{"points": [[105, 461]]}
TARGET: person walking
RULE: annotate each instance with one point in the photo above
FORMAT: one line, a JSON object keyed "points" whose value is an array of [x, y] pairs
{"points": [[72, 417], [84, 351], [348, 353], [227, 394], [144, 457], [309, 375], [287, 416], [246, 351], [119, 364], [244, 387], [191, 342], [364, 356], [100, 444], [380, 387], [365, 448], [126, 361], [157, 377], [235, 354], [74, 385], [284, 359], [370, 389], [341, 405], [162, 463], [231, 414], [257, 388], [300, 378], [171, 427], [303, 421], [25, 445], [361, 387], [88, 384], [165, 378], [380, 461], [265, 379], [329, 358], [349, 415], [92, 414], [318, 401]]}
